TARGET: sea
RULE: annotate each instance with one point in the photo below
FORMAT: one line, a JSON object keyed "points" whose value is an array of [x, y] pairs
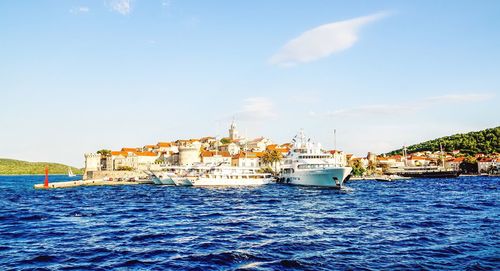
{"points": [[417, 224]]}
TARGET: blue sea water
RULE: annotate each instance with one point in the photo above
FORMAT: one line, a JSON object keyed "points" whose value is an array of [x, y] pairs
{"points": [[419, 224]]}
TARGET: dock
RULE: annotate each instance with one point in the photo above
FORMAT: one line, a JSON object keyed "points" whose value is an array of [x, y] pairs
{"points": [[79, 183]]}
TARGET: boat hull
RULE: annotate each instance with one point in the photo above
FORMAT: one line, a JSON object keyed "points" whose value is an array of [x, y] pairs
{"points": [[330, 177], [231, 182], [163, 180], [182, 181], [431, 174]]}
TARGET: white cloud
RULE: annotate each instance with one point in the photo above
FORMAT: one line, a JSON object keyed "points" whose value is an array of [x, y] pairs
{"points": [[123, 7], [378, 109], [322, 41], [81, 9], [256, 108], [407, 107], [460, 98]]}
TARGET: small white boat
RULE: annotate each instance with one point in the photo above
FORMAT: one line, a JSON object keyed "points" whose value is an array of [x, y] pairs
{"points": [[70, 173], [391, 178]]}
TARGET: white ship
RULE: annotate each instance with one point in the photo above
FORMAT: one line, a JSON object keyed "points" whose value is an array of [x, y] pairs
{"points": [[210, 175], [205, 175], [306, 164], [163, 178]]}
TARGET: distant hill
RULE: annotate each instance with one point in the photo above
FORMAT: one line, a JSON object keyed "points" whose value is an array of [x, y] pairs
{"points": [[485, 141], [14, 167]]}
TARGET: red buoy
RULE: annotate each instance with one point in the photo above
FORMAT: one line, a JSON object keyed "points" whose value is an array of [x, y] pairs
{"points": [[46, 183]]}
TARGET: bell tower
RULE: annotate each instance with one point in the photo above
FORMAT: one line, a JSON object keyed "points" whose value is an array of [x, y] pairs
{"points": [[233, 131]]}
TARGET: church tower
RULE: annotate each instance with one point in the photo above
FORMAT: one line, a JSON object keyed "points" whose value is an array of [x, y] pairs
{"points": [[233, 131]]}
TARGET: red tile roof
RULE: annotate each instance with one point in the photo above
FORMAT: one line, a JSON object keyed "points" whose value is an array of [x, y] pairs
{"points": [[116, 153], [248, 155], [145, 153], [164, 144]]}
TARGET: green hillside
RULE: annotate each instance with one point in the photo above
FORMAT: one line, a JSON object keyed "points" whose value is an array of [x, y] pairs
{"points": [[485, 141], [14, 167]]}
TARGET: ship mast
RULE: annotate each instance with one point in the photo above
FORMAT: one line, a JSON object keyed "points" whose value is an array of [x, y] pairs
{"points": [[335, 139], [406, 157], [442, 155]]}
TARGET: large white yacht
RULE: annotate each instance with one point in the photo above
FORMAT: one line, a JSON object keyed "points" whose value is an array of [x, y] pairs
{"points": [[306, 164]]}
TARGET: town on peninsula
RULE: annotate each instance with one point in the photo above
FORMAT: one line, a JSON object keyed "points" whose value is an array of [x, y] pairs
{"points": [[133, 163]]}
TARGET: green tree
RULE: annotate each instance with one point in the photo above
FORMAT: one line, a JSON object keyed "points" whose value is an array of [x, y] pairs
{"points": [[469, 165], [104, 152], [225, 140], [357, 167], [125, 168], [486, 141], [272, 157]]}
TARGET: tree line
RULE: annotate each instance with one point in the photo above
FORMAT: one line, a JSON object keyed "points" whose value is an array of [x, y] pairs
{"points": [[486, 141]]}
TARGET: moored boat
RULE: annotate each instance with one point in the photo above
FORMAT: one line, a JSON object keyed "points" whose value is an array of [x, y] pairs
{"points": [[308, 165], [231, 176], [428, 172]]}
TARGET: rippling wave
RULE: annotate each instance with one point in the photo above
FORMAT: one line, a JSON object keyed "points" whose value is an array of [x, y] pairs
{"points": [[450, 224]]}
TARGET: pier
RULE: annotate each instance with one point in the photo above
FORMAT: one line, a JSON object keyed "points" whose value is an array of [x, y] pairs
{"points": [[78, 183]]}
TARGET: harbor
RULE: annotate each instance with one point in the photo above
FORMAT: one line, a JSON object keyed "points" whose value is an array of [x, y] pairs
{"points": [[238, 161]]}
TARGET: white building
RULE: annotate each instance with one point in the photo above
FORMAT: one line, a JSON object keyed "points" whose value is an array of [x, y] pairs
{"points": [[92, 162], [232, 148], [257, 145], [134, 160], [484, 165], [247, 159], [212, 157], [454, 163], [189, 152], [167, 147], [339, 157]]}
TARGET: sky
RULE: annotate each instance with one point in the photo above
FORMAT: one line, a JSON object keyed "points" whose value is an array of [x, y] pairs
{"points": [[79, 76]]}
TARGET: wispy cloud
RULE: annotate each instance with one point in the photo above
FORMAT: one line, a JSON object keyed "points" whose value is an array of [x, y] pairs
{"points": [[322, 41], [475, 97], [166, 3], [404, 108], [78, 10], [256, 108], [123, 7]]}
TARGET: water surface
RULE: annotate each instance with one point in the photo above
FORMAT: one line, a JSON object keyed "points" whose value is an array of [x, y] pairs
{"points": [[419, 224]]}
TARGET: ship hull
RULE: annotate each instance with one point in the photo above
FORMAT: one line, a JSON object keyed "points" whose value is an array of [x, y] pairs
{"points": [[163, 180], [431, 174], [231, 182], [182, 181], [331, 177]]}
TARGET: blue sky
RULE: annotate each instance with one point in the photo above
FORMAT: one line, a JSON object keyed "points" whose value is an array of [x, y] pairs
{"points": [[78, 76]]}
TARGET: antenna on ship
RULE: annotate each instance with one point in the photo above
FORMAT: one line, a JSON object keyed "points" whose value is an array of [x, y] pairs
{"points": [[404, 154], [216, 140], [246, 144], [442, 155], [335, 139]]}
